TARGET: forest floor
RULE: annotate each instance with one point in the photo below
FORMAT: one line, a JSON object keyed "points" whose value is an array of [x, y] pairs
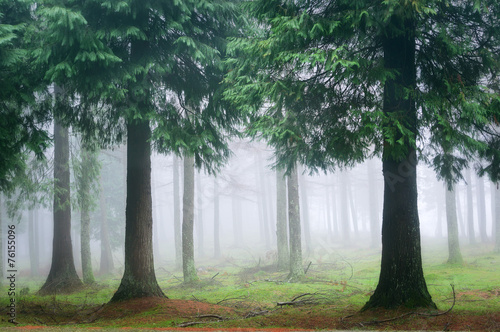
{"points": [[246, 296]]}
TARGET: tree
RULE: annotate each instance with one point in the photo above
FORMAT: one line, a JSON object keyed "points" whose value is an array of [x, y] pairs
{"points": [[62, 277], [296, 269], [188, 267], [454, 254], [177, 213], [281, 221]]}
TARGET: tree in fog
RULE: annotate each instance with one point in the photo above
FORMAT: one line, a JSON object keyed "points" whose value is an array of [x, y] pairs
{"points": [[454, 253], [87, 174], [62, 277], [296, 268], [177, 213], [188, 267], [324, 80], [281, 221]]}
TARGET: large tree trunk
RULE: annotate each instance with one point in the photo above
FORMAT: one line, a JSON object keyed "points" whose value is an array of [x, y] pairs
{"points": [[88, 162], [139, 278], [481, 209], [188, 268], [33, 245], [470, 209], [281, 221], [296, 269], [62, 276], [454, 254], [106, 264], [177, 213], [401, 281], [216, 220]]}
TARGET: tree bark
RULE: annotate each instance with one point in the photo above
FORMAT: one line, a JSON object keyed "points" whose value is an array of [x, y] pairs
{"points": [[281, 222], [481, 210], [62, 277], [87, 164], [454, 254], [106, 264], [401, 281], [139, 279], [296, 269], [470, 209], [216, 220], [177, 213], [188, 268]]}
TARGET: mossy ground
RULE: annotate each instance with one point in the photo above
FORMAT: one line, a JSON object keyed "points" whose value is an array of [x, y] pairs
{"points": [[250, 294]]}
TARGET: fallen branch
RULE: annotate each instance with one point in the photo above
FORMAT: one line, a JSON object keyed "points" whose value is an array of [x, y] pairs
{"points": [[256, 313]]}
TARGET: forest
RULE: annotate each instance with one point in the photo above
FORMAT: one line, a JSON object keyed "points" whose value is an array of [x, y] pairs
{"points": [[259, 164]]}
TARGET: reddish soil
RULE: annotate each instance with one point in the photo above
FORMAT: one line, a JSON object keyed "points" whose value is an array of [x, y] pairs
{"points": [[169, 314]]}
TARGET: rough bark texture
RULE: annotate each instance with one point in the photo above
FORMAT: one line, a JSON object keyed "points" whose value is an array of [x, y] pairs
{"points": [[139, 278], [281, 222], [454, 254], [62, 277], [88, 275], [177, 214], [296, 269], [216, 220], [401, 281], [33, 244], [106, 264], [470, 209], [188, 268]]}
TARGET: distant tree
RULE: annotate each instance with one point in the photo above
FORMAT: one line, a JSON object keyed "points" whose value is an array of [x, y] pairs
{"points": [[106, 264], [281, 221], [454, 253], [217, 250], [188, 265], [177, 213]]}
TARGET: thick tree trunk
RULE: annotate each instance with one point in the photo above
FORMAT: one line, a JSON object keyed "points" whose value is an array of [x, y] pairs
{"points": [[481, 210], [401, 281], [139, 278], [454, 254], [177, 213], [86, 180], [62, 277], [470, 209], [106, 264], [296, 269], [33, 247], [216, 220], [188, 268], [281, 222]]}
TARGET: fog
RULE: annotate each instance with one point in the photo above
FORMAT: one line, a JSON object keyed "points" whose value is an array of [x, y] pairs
{"points": [[338, 210]]}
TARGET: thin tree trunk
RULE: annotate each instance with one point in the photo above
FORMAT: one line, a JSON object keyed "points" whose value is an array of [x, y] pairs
{"points": [[188, 268], [62, 277], [344, 209], [353, 209], [139, 279], [305, 211], [281, 222], [401, 281], [106, 264], [85, 182], [34, 262], [470, 209], [216, 219], [177, 213], [461, 230], [481, 209], [296, 269], [454, 254], [237, 229], [262, 202]]}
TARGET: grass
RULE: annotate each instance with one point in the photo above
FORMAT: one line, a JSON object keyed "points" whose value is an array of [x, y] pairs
{"points": [[342, 282]]}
